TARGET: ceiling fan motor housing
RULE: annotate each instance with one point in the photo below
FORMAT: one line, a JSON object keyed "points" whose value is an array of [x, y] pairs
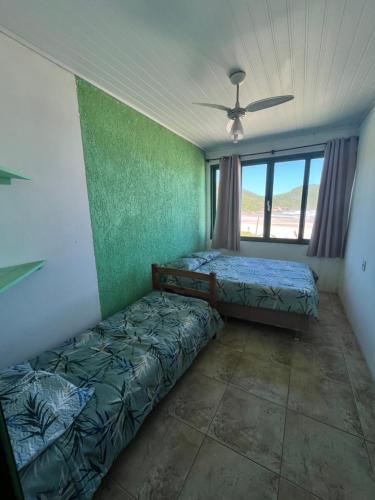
{"points": [[237, 77], [236, 113]]}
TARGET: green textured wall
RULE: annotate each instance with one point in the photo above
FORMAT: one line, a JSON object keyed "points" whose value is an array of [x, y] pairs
{"points": [[146, 189]]}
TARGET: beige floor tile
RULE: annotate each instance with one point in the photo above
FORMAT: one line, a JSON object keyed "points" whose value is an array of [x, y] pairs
{"points": [[365, 400], [289, 491], [320, 361], [332, 312], [250, 425], [323, 335], [364, 392], [371, 452], [331, 304], [219, 473], [109, 490], [155, 465], [325, 298], [350, 346], [328, 462], [235, 334], [271, 344], [194, 399], [359, 373], [263, 378], [327, 315], [217, 361], [329, 401]]}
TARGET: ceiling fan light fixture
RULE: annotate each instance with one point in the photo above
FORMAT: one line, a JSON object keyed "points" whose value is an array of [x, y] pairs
{"points": [[236, 130]]}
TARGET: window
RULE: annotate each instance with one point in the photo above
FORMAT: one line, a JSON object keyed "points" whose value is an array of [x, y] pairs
{"points": [[254, 181], [287, 191], [316, 167], [279, 197]]}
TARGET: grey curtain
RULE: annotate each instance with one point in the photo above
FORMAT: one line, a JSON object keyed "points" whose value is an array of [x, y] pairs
{"points": [[332, 216], [228, 214]]}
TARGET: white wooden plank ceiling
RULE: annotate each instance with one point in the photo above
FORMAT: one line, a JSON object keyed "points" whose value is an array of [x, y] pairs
{"points": [[161, 55]]}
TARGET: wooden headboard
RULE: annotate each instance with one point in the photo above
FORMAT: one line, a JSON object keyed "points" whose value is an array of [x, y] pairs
{"points": [[209, 295]]}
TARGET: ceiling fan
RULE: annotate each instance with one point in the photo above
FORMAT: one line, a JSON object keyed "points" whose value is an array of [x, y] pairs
{"points": [[234, 127]]}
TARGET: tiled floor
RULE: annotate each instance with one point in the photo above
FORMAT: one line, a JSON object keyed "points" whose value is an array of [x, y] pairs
{"points": [[259, 416]]}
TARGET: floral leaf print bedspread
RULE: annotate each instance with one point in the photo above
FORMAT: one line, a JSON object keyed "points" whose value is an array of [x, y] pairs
{"points": [[270, 284], [130, 361]]}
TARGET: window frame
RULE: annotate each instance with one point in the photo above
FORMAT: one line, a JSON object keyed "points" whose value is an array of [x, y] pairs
{"points": [[270, 162]]}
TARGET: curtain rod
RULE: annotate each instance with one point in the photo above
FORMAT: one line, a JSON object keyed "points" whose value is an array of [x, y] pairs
{"points": [[272, 151]]}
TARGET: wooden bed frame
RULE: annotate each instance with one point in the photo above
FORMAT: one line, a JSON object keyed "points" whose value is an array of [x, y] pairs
{"points": [[209, 295], [299, 323]]}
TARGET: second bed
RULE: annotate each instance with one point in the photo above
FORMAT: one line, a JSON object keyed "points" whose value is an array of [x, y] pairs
{"points": [[275, 292]]}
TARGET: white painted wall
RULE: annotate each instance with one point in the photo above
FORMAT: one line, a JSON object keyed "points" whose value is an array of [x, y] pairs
{"points": [[329, 270], [357, 287], [48, 217]]}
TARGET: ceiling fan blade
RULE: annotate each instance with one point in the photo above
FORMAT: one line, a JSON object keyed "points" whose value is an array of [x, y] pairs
{"points": [[268, 103], [215, 106]]}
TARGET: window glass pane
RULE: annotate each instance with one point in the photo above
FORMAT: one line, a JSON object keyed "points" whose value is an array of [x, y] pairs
{"points": [[316, 167], [253, 197], [287, 197]]}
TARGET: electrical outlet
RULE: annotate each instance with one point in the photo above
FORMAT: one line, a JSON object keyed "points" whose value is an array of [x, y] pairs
{"points": [[364, 264]]}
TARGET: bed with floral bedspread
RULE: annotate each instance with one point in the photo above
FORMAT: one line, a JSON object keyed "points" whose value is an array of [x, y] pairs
{"points": [[129, 362], [262, 283]]}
